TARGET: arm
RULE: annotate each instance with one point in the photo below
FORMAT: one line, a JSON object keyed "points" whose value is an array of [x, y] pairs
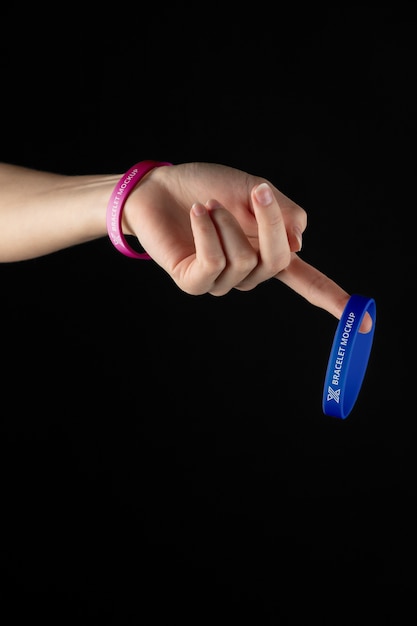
{"points": [[213, 228], [41, 212]]}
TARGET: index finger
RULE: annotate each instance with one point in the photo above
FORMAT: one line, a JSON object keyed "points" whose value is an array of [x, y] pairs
{"points": [[317, 288]]}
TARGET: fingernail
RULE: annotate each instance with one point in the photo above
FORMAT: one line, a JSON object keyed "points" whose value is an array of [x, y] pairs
{"points": [[297, 233], [263, 194], [198, 209]]}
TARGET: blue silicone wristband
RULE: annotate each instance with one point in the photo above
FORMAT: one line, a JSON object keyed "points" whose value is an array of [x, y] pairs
{"points": [[349, 357]]}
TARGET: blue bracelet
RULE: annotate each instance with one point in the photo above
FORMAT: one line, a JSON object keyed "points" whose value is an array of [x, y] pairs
{"points": [[348, 357]]}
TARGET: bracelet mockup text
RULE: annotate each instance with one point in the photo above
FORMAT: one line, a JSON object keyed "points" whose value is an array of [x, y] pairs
{"points": [[348, 357], [117, 201]]}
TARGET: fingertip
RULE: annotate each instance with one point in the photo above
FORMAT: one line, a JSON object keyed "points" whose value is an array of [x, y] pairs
{"points": [[263, 194], [198, 209], [366, 324], [213, 204]]}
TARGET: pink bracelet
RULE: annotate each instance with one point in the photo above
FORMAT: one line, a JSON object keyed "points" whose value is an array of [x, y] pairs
{"points": [[117, 201]]}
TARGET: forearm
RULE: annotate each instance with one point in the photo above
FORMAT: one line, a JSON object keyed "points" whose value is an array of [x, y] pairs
{"points": [[44, 212]]}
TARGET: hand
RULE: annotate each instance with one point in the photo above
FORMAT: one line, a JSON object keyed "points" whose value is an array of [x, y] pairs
{"points": [[215, 228]]}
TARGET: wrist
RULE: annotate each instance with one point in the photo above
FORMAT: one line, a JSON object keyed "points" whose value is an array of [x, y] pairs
{"points": [[140, 196], [118, 224], [131, 209]]}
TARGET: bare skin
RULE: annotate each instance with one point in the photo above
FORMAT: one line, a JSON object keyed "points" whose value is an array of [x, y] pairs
{"points": [[211, 227]]}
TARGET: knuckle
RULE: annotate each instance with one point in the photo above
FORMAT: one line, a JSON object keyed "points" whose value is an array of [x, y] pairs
{"points": [[277, 221], [214, 265], [316, 288], [245, 261], [192, 289], [246, 285], [218, 293], [279, 263]]}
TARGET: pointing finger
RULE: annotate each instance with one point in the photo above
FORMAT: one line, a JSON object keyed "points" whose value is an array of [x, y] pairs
{"points": [[317, 288], [314, 286]]}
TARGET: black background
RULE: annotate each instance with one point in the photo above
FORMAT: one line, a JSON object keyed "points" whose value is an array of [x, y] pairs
{"points": [[165, 457]]}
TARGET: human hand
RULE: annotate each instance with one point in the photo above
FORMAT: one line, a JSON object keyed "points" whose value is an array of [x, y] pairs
{"points": [[214, 228]]}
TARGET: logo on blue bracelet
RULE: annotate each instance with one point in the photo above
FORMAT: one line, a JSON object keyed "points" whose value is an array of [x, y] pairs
{"points": [[333, 394]]}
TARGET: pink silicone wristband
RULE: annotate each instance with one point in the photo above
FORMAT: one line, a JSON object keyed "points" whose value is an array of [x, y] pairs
{"points": [[117, 201]]}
